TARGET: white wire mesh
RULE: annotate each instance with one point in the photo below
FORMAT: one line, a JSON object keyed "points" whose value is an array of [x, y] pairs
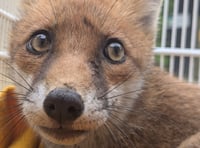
{"points": [[8, 11], [179, 51]]}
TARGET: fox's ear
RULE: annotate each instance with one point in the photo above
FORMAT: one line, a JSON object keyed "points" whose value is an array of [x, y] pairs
{"points": [[26, 4], [150, 13], [144, 12]]}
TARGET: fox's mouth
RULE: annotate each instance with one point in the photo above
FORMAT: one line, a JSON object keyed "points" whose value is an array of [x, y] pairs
{"points": [[63, 133]]}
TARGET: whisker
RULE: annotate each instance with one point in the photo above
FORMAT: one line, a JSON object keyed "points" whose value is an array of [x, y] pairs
{"points": [[121, 130], [9, 120], [123, 94], [7, 81], [20, 75], [121, 139], [20, 97], [120, 108], [25, 99], [110, 132], [15, 81], [14, 127], [116, 109], [9, 108], [138, 90], [115, 87], [141, 89], [14, 93]]}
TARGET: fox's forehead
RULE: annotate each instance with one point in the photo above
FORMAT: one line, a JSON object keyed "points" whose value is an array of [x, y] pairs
{"points": [[95, 13], [68, 18], [75, 25], [69, 11], [83, 24]]}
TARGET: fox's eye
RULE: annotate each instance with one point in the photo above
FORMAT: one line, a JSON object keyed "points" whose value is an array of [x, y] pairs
{"points": [[115, 52], [39, 43]]}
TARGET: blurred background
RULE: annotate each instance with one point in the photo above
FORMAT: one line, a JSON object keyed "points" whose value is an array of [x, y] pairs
{"points": [[8, 13], [178, 41], [177, 48]]}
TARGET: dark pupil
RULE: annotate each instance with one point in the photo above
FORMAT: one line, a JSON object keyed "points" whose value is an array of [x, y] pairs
{"points": [[116, 49], [42, 40]]}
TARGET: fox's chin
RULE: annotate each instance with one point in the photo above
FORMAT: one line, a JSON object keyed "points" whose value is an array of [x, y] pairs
{"points": [[61, 136]]}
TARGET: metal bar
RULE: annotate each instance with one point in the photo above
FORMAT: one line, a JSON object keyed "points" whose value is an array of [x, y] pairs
{"points": [[199, 73], [162, 58], [4, 55], [194, 23], [174, 35], [191, 70], [181, 67], [1, 37], [165, 18], [174, 27], [177, 52], [7, 15], [171, 65], [193, 38], [183, 38], [164, 31], [185, 21]]}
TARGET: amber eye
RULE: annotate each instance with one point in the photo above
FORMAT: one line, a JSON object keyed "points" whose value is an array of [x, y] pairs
{"points": [[115, 52], [39, 43]]}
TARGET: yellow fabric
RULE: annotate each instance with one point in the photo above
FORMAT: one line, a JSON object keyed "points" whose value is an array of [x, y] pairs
{"points": [[27, 140], [3, 131], [11, 137]]}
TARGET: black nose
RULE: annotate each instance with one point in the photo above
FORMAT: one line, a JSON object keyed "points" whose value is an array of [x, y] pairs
{"points": [[63, 105]]}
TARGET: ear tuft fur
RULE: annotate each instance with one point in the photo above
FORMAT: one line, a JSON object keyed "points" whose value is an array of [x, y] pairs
{"points": [[144, 13], [25, 4], [149, 14]]}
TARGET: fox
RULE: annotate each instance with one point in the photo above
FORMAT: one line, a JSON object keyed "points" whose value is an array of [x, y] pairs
{"points": [[90, 79]]}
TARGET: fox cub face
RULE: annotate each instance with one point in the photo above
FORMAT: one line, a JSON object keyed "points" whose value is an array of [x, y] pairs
{"points": [[85, 60]]}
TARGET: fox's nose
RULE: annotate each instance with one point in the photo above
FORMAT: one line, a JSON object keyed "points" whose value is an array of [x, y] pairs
{"points": [[63, 105]]}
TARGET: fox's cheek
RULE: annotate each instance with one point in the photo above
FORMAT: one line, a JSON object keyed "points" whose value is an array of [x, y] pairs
{"points": [[28, 63]]}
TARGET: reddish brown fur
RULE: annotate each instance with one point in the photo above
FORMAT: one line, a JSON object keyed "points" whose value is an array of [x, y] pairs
{"points": [[166, 112]]}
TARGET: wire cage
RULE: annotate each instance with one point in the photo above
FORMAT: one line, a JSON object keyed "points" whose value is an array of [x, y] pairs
{"points": [[178, 44], [8, 11]]}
